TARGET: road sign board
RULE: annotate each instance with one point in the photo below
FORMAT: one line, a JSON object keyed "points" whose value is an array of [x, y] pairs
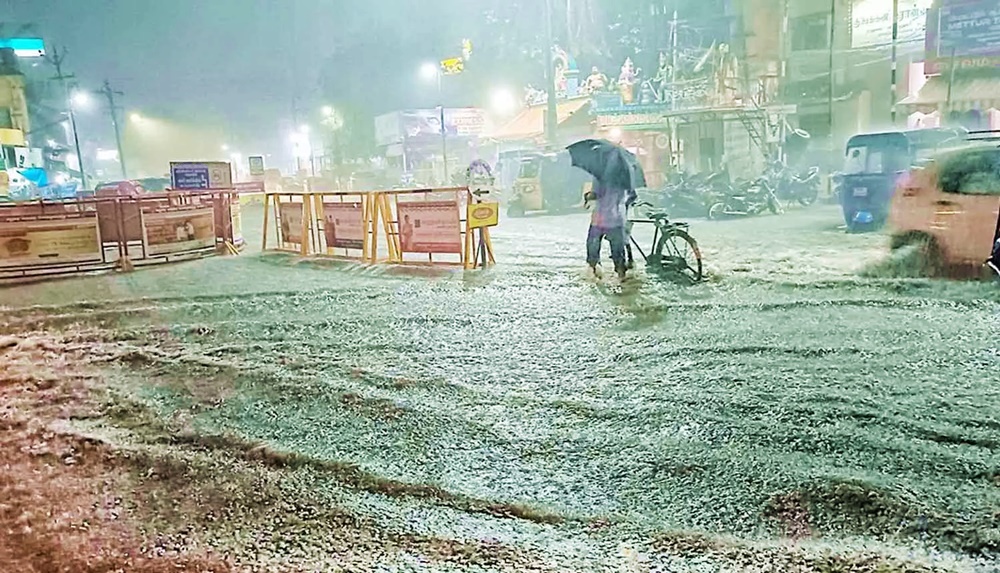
{"points": [[204, 175], [256, 164]]}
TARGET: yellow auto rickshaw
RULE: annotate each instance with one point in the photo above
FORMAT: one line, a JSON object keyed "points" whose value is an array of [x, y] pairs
{"points": [[547, 182]]}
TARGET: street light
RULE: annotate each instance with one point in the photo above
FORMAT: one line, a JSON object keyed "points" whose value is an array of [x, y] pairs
{"points": [[225, 147], [503, 102], [431, 71], [81, 99], [135, 118], [327, 110]]}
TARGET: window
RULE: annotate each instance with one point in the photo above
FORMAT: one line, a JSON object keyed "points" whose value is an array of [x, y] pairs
{"points": [[810, 32], [972, 172], [861, 160]]}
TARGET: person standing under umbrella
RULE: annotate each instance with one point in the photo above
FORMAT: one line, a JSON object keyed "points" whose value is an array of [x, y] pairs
{"points": [[607, 220]]}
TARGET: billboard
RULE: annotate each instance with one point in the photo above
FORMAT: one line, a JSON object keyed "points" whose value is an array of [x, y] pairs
{"points": [[290, 215], [871, 22], [969, 30], [50, 242], [344, 225], [178, 231], [417, 124], [429, 227]]}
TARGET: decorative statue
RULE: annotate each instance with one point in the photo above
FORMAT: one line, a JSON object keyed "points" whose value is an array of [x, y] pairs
{"points": [[662, 79], [534, 96], [596, 82], [626, 81]]}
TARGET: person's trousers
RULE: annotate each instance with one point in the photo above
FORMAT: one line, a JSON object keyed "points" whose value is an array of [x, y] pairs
{"points": [[615, 236]]}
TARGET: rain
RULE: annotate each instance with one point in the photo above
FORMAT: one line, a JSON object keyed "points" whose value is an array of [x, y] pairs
{"points": [[548, 285]]}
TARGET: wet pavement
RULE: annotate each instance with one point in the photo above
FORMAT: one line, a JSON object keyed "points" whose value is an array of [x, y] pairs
{"points": [[790, 377]]}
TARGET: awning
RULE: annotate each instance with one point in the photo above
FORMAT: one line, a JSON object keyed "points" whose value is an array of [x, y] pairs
{"points": [[530, 123], [966, 94]]}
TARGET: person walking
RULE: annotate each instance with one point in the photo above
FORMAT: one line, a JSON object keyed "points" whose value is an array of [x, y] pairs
{"points": [[607, 220]]}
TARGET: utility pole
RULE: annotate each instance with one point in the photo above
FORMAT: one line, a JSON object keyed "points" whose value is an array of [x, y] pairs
{"points": [[892, 81], [56, 60], [833, 80], [113, 110], [551, 114]]}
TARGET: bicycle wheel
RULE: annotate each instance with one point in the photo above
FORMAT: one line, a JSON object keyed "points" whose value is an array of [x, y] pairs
{"points": [[678, 255]]}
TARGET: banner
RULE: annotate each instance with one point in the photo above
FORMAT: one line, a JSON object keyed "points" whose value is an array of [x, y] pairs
{"points": [[344, 225], [969, 29], [429, 227], [291, 223], [50, 242], [178, 231], [236, 212], [871, 22]]}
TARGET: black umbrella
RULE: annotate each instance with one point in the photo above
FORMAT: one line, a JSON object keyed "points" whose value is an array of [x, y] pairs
{"points": [[610, 164]]}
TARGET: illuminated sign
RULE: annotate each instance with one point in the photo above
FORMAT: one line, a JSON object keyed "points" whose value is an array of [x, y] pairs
{"points": [[452, 66], [24, 47]]}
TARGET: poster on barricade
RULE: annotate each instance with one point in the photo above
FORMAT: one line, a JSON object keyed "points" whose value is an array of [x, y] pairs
{"points": [[344, 225], [429, 227], [50, 242], [236, 213], [178, 231], [291, 223]]}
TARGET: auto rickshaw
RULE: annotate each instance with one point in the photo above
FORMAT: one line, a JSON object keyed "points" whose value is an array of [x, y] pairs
{"points": [[874, 164], [949, 210], [547, 182]]}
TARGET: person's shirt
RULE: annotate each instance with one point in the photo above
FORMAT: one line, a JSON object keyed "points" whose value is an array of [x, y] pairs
{"points": [[610, 207]]}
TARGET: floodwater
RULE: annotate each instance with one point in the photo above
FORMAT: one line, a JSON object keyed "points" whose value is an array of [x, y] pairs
{"points": [[791, 395]]}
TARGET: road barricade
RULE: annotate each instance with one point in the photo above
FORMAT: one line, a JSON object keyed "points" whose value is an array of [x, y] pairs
{"points": [[42, 239], [343, 221], [429, 226], [291, 215]]}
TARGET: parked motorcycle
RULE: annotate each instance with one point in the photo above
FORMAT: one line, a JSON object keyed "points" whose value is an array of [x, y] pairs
{"points": [[683, 196], [746, 200], [790, 186]]}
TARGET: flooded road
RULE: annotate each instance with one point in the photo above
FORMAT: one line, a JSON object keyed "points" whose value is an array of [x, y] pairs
{"points": [[794, 395]]}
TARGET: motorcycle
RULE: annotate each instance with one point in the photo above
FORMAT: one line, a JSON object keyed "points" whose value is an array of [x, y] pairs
{"points": [[746, 200], [683, 197], [789, 186]]}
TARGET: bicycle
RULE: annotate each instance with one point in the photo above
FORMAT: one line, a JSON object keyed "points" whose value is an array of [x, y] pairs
{"points": [[674, 253]]}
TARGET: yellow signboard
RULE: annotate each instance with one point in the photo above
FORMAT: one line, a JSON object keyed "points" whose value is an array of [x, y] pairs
{"points": [[452, 66], [481, 215], [50, 242]]}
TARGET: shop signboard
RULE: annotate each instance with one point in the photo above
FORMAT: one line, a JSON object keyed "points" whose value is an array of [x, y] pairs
{"points": [[344, 225], [50, 242], [169, 232], [969, 30], [291, 223], [429, 227], [871, 22], [200, 175]]}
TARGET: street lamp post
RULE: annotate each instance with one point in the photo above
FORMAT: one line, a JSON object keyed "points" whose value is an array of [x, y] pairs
{"points": [[434, 71]]}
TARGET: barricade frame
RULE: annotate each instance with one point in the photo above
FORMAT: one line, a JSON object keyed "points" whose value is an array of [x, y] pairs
{"points": [[385, 215], [320, 245], [119, 239]]}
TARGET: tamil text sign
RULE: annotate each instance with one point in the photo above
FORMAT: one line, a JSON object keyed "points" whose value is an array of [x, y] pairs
{"points": [[179, 231], [50, 242], [871, 22], [429, 227], [969, 30], [205, 175], [344, 225]]}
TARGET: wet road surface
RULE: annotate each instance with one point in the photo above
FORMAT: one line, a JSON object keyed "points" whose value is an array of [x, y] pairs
{"points": [[789, 394]]}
